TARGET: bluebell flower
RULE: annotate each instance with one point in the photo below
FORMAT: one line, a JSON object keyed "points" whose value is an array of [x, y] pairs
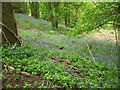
{"points": [[40, 43], [54, 76], [100, 85], [84, 62], [32, 42], [48, 66], [91, 85], [36, 49], [50, 58], [55, 51], [70, 43], [68, 72], [43, 45], [56, 62], [63, 53], [38, 62], [49, 47]]}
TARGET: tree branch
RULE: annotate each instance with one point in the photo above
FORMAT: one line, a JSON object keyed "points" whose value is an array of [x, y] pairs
{"points": [[11, 32], [90, 51], [5, 37]]}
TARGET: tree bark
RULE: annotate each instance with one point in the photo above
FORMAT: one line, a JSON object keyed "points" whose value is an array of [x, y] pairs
{"points": [[9, 29]]}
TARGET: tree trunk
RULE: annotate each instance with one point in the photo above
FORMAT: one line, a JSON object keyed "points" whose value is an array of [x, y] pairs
{"points": [[53, 13], [20, 7], [0, 24], [67, 15], [9, 29], [34, 6]]}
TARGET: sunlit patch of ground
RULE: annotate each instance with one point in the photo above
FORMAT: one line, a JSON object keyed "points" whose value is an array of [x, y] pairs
{"points": [[103, 34]]}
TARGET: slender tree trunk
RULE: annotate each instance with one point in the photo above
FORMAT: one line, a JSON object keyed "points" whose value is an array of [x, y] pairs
{"points": [[0, 24], [53, 11], [9, 29], [67, 15], [20, 7], [34, 6], [56, 6], [25, 9]]}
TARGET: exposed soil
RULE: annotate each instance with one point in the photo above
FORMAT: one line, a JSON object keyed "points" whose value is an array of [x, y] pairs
{"points": [[107, 35], [14, 77]]}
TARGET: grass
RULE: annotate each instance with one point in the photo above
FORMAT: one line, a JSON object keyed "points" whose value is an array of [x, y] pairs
{"points": [[69, 67]]}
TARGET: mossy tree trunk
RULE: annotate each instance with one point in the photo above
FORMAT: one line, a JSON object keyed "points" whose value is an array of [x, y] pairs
{"points": [[9, 29]]}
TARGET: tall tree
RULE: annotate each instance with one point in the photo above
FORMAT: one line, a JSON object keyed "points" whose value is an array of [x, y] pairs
{"points": [[21, 7], [67, 14], [53, 8], [0, 21], [71, 13], [9, 29], [34, 6]]}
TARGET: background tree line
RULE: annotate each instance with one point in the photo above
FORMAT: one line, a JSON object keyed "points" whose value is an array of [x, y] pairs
{"points": [[81, 16], [72, 14]]}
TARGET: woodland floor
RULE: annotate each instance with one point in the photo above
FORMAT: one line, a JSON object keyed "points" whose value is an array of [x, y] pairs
{"points": [[13, 77], [102, 45]]}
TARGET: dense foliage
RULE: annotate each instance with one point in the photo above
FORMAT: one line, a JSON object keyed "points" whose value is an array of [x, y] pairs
{"points": [[55, 47], [80, 72], [71, 66], [82, 16]]}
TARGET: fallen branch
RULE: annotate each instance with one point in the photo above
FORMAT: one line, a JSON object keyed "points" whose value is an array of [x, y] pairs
{"points": [[93, 58], [9, 68], [60, 60], [5, 37]]}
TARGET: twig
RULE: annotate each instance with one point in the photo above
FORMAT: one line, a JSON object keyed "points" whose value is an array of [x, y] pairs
{"points": [[90, 51], [11, 32], [94, 2], [5, 37], [114, 22]]}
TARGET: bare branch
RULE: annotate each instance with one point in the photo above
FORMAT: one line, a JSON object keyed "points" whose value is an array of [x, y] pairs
{"points": [[90, 51]]}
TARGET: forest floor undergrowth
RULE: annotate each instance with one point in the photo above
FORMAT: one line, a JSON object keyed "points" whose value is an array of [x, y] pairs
{"points": [[50, 59]]}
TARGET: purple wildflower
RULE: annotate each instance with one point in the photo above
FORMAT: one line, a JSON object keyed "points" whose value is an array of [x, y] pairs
{"points": [[48, 66], [49, 47], [63, 53], [32, 42], [39, 63], [54, 76], [90, 85], [40, 43], [43, 45]]}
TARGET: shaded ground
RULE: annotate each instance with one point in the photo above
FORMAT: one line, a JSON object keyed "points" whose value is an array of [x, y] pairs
{"points": [[96, 40], [17, 79], [102, 45]]}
